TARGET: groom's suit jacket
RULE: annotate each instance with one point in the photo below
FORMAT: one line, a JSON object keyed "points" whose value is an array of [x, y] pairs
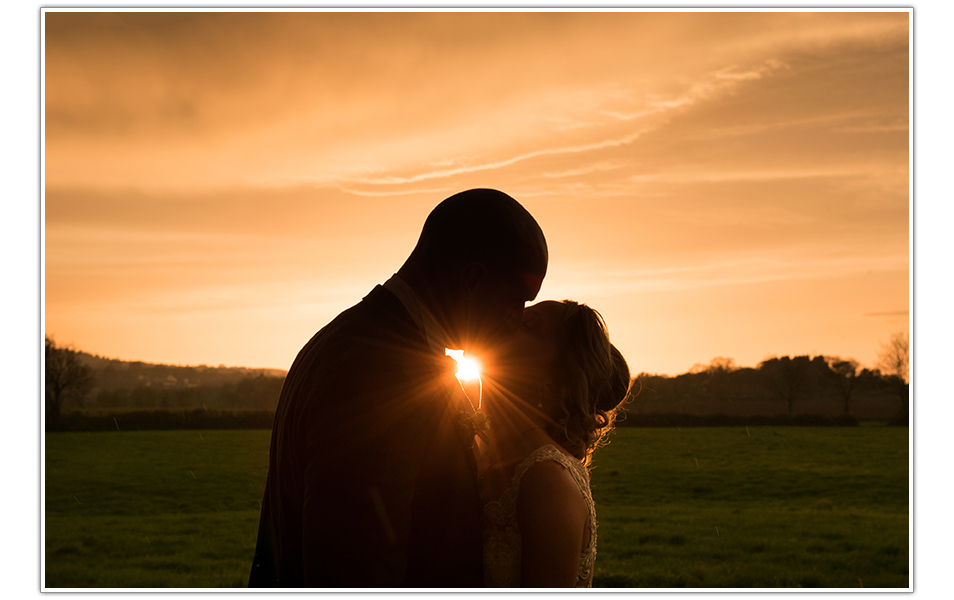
{"points": [[370, 481]]}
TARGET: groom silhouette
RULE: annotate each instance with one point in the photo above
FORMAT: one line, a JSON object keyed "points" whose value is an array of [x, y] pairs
{"points": [[371, 478]]}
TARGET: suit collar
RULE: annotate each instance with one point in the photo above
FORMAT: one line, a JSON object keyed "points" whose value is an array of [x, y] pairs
{"points": [[422, 317]]}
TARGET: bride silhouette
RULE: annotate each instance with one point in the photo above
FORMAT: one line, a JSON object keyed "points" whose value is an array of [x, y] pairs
{"points": [[555, 396]]}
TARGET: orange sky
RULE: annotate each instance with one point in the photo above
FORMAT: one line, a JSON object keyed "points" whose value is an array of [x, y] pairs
{"points": [[219, 186]]}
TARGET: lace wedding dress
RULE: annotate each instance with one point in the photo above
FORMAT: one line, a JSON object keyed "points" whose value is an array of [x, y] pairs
{"points": [[502, 535]]}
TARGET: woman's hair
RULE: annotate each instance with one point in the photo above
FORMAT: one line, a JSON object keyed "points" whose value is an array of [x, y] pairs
{"points": [[592, 380]]}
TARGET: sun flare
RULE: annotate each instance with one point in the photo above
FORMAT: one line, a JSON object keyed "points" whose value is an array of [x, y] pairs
{"points": [[467, 368]]}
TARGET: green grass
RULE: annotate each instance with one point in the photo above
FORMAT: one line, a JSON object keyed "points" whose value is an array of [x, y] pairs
{"points": [[794, 506], [774, 507], [153, 508]]}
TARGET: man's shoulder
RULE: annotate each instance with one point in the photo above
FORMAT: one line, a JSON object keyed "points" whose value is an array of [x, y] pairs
{"points": [[376, 324], [370, 356], [377, 334]]}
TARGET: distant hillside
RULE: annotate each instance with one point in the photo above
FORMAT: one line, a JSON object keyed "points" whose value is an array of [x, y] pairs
{"points": [[127, 385], [112, 374], [790, 387]]}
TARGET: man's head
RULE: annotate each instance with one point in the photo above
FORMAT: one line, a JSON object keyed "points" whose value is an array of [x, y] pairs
{"points": [[481, 256]]}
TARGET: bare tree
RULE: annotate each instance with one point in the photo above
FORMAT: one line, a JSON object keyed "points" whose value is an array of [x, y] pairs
{"points": [[66, 379], [893, 357], [893, 362], [845, 374]]}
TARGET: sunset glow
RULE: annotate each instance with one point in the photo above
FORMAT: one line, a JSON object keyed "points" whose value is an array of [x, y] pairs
{"points": [[218, 186], [468, 368]]}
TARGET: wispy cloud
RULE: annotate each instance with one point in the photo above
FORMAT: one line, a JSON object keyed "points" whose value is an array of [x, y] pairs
{"points": [[435, 192], [594, 168], [660, 108], [390, 180]]}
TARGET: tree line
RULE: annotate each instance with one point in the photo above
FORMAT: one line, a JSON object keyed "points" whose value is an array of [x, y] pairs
{"points": [[76, 380], [786, 379]]}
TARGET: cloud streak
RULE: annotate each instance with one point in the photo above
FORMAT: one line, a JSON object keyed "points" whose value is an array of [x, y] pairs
{"points": [[503, 163]]}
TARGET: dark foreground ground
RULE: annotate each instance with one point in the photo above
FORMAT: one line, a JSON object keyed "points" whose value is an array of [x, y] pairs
{"points": [[678, 507]]}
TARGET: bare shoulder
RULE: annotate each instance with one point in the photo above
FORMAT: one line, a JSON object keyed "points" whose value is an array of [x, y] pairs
{"points": [[548, 485], [547, 473]]}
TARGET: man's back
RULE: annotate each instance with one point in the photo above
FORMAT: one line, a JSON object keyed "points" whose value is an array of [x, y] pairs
{"points": [[370, 483]]}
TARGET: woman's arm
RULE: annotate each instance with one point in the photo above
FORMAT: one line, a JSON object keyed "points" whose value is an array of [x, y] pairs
{"points": [[552, 515]]}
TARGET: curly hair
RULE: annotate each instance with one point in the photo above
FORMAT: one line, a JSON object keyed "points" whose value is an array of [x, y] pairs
{"points": [[592, 381]]}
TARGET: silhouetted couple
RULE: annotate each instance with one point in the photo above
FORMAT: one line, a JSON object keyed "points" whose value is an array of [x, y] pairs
{"points": [[388, 470]]}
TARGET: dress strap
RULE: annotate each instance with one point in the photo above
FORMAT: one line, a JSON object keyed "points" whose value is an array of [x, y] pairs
{"points": [[550, 452]]}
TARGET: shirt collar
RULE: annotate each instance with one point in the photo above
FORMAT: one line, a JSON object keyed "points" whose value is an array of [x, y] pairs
{"points": [[422, 317]]}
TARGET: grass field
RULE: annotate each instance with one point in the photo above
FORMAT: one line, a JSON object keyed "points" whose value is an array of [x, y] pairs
{"points": [[767, 507], [701, 507], [153, 508]]}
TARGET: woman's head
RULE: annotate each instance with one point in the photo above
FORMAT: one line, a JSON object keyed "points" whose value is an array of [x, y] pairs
{"points": [[573, 374]]}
